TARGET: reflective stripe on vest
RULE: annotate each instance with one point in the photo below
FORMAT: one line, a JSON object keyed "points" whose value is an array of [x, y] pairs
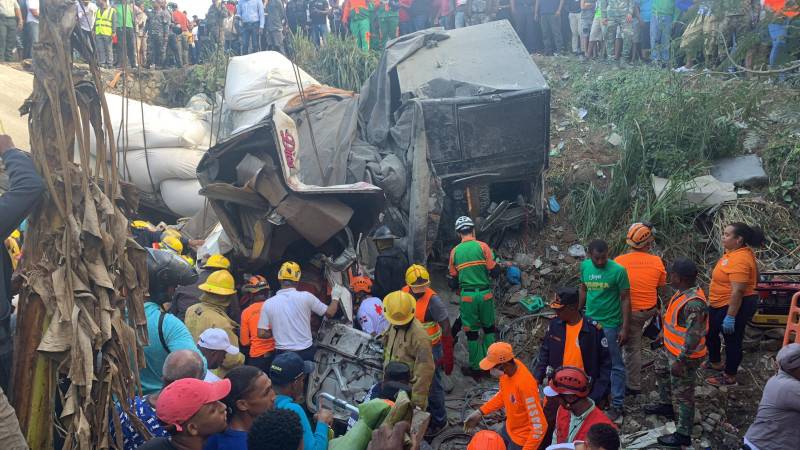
{"points": [[674, 334], [433, 328], [102, 23]]}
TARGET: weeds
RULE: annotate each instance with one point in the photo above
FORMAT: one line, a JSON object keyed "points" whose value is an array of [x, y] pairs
{"points": [[338, 63]]}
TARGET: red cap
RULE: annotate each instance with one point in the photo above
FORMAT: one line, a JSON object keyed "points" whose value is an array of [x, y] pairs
{"points": [[179, 401]]}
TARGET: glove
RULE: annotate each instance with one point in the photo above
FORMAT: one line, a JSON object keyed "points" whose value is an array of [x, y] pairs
{"points": [[728, 324], [447, 358], [452, 282]]}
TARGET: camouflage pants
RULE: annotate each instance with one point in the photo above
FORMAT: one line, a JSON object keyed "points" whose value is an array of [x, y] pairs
{"points": [[677, 390], [619, 28]]}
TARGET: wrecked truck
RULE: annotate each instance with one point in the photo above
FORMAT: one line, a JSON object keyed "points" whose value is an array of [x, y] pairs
{"points": [[451, 123]]}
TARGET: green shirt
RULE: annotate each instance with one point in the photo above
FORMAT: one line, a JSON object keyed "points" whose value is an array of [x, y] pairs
{"points": [[128, 16], [471, 262], [603, 287], [663, 7]]}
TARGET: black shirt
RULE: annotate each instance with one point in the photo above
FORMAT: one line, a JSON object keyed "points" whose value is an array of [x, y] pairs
{"points": [[318, 5], [573, 6], [160, 443]]}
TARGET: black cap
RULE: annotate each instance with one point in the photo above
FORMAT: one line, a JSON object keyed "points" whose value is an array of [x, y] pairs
{"points": [[397, 371], [684, 267], [565, 296], [288, 367]]}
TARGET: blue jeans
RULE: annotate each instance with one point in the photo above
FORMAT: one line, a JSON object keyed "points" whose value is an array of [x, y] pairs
{"points": [[460, 19], [250, 38], [436, 395], [777, 33], [318, 33], [420, 22], [617, 367], [660, 33]]}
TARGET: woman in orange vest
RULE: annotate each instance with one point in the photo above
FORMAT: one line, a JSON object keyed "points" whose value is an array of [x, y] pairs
{"points": [[685, 326], [432, 314], [733, 299]]}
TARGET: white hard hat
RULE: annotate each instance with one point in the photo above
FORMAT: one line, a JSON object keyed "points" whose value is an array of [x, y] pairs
{"points": [[464, 222]]}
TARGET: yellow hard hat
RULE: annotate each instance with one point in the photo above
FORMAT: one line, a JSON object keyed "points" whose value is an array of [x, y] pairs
{"points": [[188, 259], [171, 232], [173, 244], [220, 283], [217, 261], [15, 234], [290, 270], [398, 307], [141, 224], [417, 275]]}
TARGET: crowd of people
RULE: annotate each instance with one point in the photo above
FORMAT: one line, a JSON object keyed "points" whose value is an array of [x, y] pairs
{"points": [[228, 357]]}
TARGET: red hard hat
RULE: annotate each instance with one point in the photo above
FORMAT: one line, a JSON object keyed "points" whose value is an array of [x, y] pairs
{"points": [[568, 380], [486, 440]]}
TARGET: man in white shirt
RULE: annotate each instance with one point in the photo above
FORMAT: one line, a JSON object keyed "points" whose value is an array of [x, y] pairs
{"points": [[286, 316], [31, 27], [215, 345], [86, 11]]}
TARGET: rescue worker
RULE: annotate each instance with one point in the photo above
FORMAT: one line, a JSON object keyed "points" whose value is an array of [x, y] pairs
{"points": [[408, 342], [646, 274], [576, 341], [166, 333], [215, 347], [218, 293], [570, 387], [173, 244], [391, 264], [685, 327], [369, 315], [104, 29], [186, 296], [286, 316], [472, 263], [486, 440], [431, 312], [388, 15], [518, 396], [157, 34], [14, 247], [358, 13], [261, 351]]}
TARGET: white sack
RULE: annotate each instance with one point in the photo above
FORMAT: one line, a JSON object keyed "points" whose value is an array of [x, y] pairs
{"points": [[258, 79], [182, 196], [164, 164]]}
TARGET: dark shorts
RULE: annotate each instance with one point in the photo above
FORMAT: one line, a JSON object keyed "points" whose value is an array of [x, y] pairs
{"points": [[644, 33]]}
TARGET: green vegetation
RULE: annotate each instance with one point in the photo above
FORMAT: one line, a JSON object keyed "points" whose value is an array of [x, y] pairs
{"points": [[339, 63]]}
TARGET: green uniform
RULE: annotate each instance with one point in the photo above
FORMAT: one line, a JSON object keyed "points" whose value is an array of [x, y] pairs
{"points": [[388, 16], [471, 261], [603, 288], [694, 316]]}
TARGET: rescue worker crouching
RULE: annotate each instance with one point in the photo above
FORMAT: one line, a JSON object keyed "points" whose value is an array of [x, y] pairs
{"points": [[518, 396], [369, 312], [472, 263], [431, 312], [218, 293], [407, 341]]}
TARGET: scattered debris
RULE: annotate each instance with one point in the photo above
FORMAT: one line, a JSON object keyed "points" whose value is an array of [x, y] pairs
{"points": [[553, 204], [701, 191], [742, 171], [614, 139], [646, 438], [577, 251]]}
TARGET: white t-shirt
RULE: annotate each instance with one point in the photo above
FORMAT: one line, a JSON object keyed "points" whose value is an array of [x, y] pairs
{"points": [[210, 377], [370, 316], [86, 15], [33, 4], [288, 314]]}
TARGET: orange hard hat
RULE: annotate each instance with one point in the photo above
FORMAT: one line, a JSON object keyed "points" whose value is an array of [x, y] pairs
{"points": [[361, 284], [486, 440], [639, 235], [255, 283]]}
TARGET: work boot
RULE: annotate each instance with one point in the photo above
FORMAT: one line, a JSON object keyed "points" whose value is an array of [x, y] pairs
{"points": [[661, 409], [616, 414], [676, 440]]}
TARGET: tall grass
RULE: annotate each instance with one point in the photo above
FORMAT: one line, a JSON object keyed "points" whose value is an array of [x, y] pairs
{"points": [[672, 127], [338, 63]]}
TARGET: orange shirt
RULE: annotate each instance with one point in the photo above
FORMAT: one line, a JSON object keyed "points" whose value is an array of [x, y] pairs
{"points": [[738, 266], [519, 396], [249, 332], [779, 7], [572, 348], [646, 273]]}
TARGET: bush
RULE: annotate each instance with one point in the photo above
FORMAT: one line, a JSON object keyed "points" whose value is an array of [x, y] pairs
{"points": [[338, 63]]}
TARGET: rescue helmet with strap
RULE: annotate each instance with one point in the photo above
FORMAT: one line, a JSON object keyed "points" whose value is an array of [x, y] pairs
{"points": [[464, 223], [220, 283], [639, 235], [398, 308], [417, 276], [290, 271], [361, 284]]}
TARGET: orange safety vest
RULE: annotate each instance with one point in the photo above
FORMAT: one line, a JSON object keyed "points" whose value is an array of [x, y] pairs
{"points": [[433, 328], [674, 334]]}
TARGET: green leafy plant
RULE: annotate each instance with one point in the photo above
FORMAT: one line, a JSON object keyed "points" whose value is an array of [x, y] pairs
{"points": [[338, 63]]}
